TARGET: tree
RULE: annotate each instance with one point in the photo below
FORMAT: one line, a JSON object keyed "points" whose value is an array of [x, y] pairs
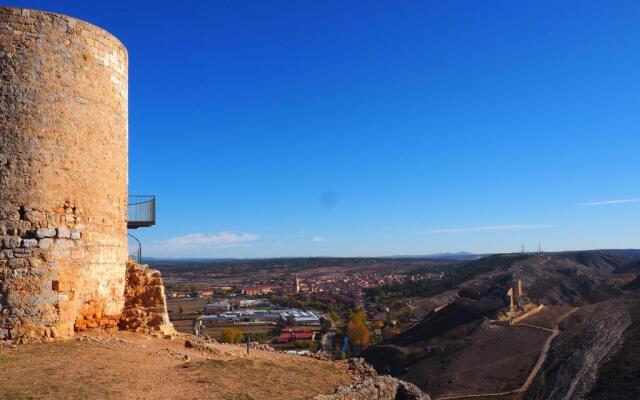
{"points": [[358, 333], [231, 335], [358, 316], [357, 328]]}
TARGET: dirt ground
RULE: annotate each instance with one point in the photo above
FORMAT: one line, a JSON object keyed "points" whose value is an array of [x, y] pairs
{"points": [[492, 359], [130, 366]]}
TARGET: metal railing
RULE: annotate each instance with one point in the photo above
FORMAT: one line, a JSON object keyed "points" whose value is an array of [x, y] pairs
{"points": [[141, 211], [135, 251]]}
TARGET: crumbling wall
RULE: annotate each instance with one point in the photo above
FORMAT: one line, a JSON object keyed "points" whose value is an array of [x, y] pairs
{"points": [[145, 307], [531, 312], [63, 175]]}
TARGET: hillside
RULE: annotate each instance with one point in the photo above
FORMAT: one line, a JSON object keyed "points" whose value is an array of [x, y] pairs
{"points": [[465, 349], [596, 357]]}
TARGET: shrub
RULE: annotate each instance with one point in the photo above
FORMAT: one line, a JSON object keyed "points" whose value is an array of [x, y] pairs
{"points": [[231, 335]]}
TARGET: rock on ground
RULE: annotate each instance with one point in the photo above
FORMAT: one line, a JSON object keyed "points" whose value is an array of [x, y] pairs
{"points": [[380, 388], [374, 387]]}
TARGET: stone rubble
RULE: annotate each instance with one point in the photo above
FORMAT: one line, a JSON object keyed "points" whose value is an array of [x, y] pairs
{"points": [[174, 354], [261, 346], [205, 346]]}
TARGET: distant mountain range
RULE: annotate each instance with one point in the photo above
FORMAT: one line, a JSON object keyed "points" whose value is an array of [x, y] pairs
{"points": [[467, 256], [458, 256]]}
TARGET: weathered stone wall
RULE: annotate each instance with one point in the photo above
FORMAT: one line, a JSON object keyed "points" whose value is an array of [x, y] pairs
{"points": [[63, 175], [145, 307]]}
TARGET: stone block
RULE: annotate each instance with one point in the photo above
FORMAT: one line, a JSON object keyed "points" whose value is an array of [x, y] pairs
{"points": [[45, 233], [26, 243], [35, 216], [64, 233], [45, 243], [35, 262], [24, 226], [17, 262], [76, 235], [21, 252], [11, 242]]}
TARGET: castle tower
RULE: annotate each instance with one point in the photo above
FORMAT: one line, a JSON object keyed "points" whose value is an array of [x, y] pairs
{"points": [[297, 284], [63, 175], [517, 289]]}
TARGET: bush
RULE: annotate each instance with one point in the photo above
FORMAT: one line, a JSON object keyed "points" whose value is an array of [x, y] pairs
{"points": [[231, 335], [262, 337]]}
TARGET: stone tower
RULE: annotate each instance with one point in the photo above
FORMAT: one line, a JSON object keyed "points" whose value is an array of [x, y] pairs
{"points": [[63, 175]]}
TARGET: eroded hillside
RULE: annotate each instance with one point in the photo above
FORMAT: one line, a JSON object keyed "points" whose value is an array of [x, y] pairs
{"points": [[573, 346]]}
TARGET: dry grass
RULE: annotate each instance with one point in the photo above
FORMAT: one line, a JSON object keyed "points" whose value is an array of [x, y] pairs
{"points": [[126, 366]]}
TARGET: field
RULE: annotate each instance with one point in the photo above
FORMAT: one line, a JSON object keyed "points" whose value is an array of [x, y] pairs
{"points": [[189, 306]]}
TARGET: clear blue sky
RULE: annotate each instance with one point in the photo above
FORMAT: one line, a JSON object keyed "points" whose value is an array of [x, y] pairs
{"points": [[297, 128]]}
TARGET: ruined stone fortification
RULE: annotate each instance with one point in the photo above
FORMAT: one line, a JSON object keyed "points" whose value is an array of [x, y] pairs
{"points": [[145, 308], [63, 175]]}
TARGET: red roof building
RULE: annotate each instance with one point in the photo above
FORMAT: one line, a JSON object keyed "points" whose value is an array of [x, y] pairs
{"points": [[287, 337]]}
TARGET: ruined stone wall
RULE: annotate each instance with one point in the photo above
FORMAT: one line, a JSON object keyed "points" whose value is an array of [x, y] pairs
{"points": [[145, 307], [63, 175]]}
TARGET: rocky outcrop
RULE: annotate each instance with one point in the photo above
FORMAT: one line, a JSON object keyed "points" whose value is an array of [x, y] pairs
{"points": [[591, 335], [361, 369], [373, 387], [380, 388], [145, 308]]}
